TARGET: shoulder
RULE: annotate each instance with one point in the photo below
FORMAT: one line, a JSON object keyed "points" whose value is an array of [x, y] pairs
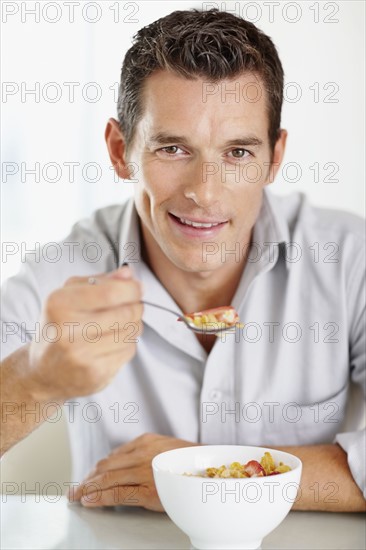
{"points": [[330, 243], [103, 224], [91, 247], [311, 223]]}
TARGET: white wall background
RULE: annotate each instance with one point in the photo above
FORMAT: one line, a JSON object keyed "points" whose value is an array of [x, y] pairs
{"points": [[321, 45]]}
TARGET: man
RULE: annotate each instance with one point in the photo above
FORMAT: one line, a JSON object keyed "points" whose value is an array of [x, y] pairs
{"points": [[202, 231]]}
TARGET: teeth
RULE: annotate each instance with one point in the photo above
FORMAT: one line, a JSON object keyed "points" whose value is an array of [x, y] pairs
{"points": [[194, 224]]}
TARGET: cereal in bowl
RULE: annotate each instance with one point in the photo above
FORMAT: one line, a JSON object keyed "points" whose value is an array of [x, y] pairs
{"points": [[253, 468]]}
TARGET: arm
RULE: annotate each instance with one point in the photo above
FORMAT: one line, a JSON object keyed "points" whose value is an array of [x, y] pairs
{"points": [[21, 410], [45, 371], [130, 464], [326, 483]]}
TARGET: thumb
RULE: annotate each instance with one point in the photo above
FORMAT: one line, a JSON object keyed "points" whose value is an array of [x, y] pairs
{"points": [[124, 272]]}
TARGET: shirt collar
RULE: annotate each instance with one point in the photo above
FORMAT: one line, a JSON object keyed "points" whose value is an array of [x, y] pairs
{"points": [[271, 225], [129, 248], [270, 234]]}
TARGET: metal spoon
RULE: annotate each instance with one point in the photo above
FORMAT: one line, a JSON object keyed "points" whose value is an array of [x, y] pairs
{"points": [[207, 328]]}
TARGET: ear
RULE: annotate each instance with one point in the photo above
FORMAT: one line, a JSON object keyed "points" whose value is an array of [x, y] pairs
{"points": [[277, 156], [117, 148]]}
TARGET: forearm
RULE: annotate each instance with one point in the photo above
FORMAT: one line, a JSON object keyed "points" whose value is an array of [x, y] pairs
{"points": [[326, 483], [21, 411]]}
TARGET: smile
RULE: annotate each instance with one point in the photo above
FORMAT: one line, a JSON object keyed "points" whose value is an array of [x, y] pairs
{"points": [[197, 224], [198, 228]]}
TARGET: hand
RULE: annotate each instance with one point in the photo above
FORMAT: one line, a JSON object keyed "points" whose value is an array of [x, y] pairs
{"points": [[97, 327], [125, 477]]}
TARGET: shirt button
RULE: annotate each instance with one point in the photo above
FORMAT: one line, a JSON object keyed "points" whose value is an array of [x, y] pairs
{"points": [[215, 395]]}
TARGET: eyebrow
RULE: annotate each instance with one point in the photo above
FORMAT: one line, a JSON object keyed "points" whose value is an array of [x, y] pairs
{"points": [[245, 140], [160, 138]]}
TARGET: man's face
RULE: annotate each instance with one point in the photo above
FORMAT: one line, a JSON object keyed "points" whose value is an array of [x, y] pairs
{"points": [[203, 156]]}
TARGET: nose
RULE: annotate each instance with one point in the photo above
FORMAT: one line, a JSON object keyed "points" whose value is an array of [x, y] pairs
{"points": [[203, 183]]}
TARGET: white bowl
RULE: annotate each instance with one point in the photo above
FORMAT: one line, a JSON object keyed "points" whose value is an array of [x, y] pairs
{"points": [[219, 513]]}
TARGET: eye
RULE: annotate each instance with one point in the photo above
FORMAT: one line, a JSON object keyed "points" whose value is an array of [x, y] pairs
{"points": [[239, 153], [170, 149], [173, 151]]}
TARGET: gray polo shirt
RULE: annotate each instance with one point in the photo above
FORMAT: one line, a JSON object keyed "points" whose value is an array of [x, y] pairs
{"points": [[283, 379]]}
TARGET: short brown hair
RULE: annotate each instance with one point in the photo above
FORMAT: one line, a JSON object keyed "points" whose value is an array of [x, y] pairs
{"points": [[208, 44]]}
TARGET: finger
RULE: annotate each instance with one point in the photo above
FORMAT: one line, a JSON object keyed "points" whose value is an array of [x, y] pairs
{"points": [[85, 297], [122, 324], [116, 462], [82, 280], [130, 446], [110, 479], [121, 457], [120, 495], [127, 448], [98, 347], [122, 273], [113, 319], [112, 462]]}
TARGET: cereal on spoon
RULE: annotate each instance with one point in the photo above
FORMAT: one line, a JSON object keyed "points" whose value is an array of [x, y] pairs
{"points": [[219, 317]]}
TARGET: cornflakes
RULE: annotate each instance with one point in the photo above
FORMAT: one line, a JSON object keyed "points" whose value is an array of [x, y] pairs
{"points": [[253, 468]]}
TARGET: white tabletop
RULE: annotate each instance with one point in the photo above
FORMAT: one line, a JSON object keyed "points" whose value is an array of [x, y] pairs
{"points": [[49, 525]]}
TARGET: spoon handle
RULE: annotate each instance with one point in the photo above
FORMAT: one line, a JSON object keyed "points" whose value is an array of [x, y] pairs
{"points": [[156, 305]]}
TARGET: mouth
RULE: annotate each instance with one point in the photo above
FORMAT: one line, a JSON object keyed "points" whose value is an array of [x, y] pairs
{"points": [[197, 227], [204, 224]]}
